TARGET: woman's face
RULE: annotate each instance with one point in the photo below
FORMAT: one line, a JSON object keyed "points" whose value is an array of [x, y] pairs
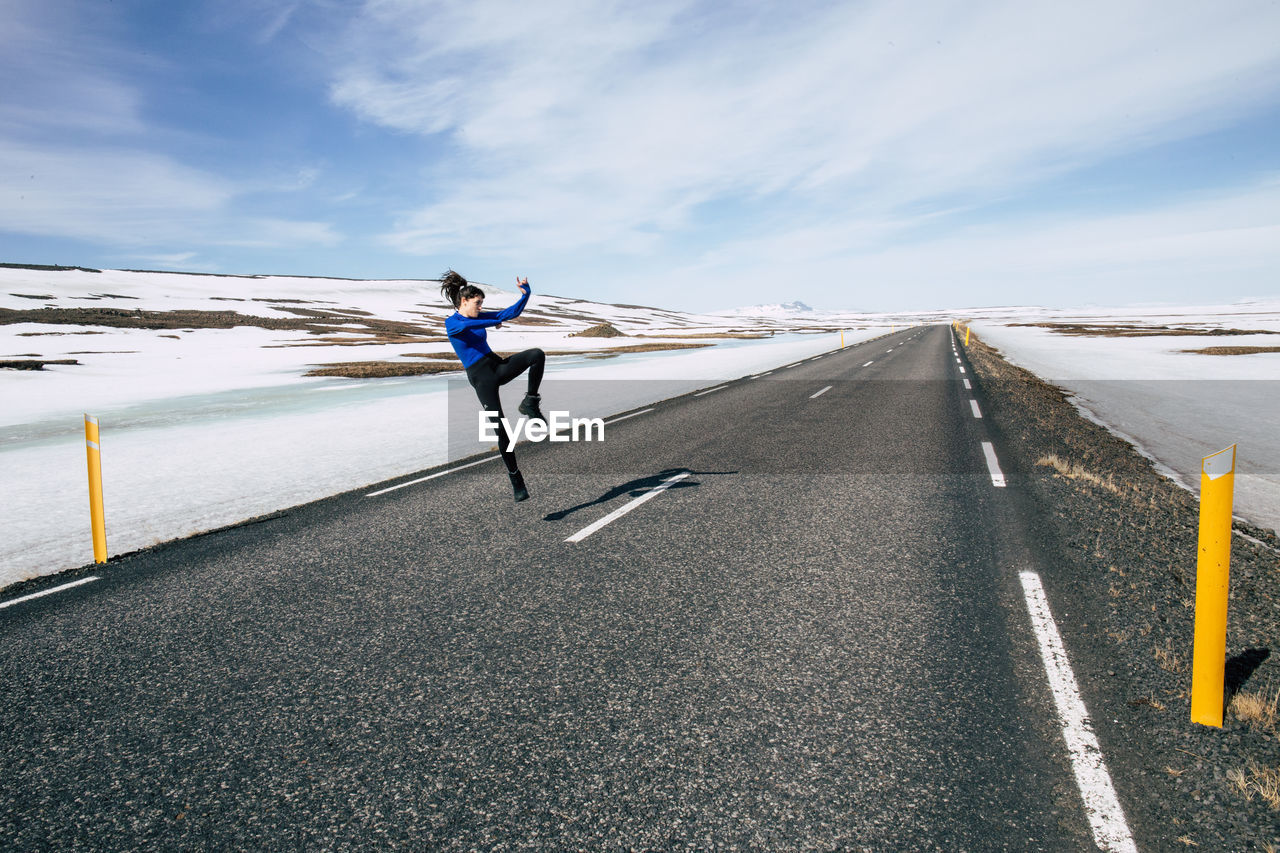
{"points": [[470, 307]]}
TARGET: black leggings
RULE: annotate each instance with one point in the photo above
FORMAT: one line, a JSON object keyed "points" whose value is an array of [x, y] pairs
{"points": [[490, 373]]}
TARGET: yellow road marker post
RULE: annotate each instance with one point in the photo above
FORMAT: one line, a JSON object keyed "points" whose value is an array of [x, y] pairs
{"points": [[842, 339], [97, 516], [966, 335], [1213, 560]]}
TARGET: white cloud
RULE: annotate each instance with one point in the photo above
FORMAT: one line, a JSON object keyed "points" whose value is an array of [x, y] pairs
{"points": [[179, 260], [79, 158], [266, 233], [1205, 248], [119, 196], [130, 198], [62, 75], [579, 125]]}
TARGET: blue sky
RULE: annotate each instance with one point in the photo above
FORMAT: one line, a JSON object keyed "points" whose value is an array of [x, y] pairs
{"points": [[695, 155]]}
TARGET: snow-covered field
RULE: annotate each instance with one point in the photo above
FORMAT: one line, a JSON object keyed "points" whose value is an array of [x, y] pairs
{"points": [[1175, 406], [206, 427], [203, 427]]}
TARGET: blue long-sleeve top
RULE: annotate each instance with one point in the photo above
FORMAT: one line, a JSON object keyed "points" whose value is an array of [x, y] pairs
{"points": [[468, 335]]}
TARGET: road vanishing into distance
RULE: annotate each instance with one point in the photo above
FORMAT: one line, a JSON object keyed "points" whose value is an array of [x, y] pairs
{"points": [[798, 610]]}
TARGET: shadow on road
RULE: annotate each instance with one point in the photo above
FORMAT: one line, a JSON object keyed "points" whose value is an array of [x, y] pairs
{"points": [[636, 488]]}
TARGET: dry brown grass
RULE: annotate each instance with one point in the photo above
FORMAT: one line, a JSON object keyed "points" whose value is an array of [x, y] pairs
{"points": [[33, 364], [600, 330], [1232, 350], [1167, 658], [530, 318], [1259, 709], [1256, 780], [1121, 330], [747, 336], [46, 334], [626, 348], [1149, 701], [382, 369], [326, 327], [1076, 471]]}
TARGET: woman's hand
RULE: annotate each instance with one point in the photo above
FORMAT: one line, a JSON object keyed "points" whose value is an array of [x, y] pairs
{"points": [[522, 283]]}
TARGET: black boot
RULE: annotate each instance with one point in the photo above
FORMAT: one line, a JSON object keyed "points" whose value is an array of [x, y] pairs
{"points": [[517, 486], [529, 406]]}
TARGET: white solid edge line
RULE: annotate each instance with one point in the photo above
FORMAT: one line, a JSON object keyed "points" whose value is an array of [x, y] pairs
{"points": [[1101, 806], [993, 464], [626, 508], [624, 417], [973, 404], [50, 591], [709, 390], [820, 393], [432, 476]]}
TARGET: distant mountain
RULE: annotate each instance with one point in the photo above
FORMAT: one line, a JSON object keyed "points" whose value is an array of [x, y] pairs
{"points": [[784, 309]]}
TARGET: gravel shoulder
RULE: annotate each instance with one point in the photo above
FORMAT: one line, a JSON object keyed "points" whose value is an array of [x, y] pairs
{"points": [[1126, 537]]}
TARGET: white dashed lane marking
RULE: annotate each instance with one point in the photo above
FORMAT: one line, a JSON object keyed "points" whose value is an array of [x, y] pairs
{"points": [[993, 464], [627, 507]]}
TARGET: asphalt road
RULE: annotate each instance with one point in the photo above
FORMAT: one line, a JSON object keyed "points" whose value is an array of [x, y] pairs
{"points": [[813, 639]]}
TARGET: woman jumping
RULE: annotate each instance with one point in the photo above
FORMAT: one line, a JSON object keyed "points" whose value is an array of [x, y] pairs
{"points": [[486, 371]]}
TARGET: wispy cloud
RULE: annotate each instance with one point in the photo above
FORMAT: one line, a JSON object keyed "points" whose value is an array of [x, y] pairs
{"points": [[703, 147], [130, 198], [122, 196], [62, 76], [80, 157], [1192, 247], [597, 124]]}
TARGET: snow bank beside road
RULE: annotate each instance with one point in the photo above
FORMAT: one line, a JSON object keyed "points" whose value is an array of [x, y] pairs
{"points": [[1176, 407], [180, 465]]}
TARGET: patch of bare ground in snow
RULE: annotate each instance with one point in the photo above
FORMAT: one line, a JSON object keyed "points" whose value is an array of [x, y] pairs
{"points": [[33, 364], [447, 362], [1123, 586], [1232, 350], [1122, 330], [323, 325], [383, 369]]}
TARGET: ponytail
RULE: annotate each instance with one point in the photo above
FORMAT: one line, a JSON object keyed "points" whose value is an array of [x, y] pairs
{"points": [[455, 288]]}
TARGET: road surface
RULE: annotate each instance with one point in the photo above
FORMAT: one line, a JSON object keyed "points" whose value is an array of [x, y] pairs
{"points": [[786, 612]]}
